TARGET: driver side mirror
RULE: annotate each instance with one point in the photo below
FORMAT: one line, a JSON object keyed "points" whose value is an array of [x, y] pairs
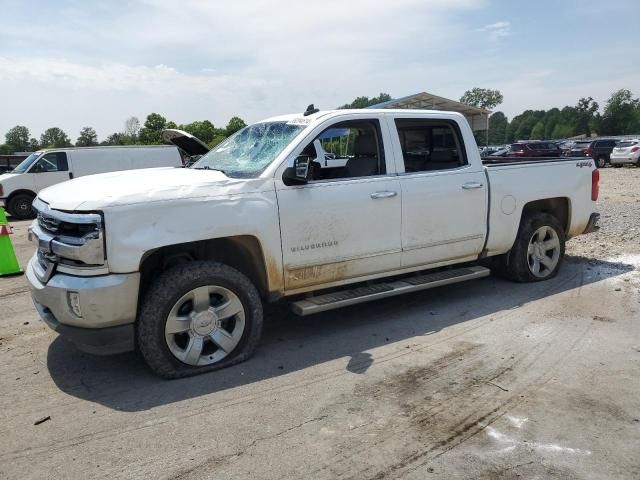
{"points": [[298, 174]]}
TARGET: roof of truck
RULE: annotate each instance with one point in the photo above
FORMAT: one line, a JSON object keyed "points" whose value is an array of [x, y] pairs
{"points": [[306, 120]]}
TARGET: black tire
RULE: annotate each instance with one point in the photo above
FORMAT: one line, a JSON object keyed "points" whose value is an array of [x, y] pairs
{"points": [[167, 289], [601, 161], [617, 165], [514, 265], [19, 206]]}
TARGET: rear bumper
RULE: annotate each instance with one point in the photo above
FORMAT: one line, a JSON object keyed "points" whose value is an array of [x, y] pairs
{"points": [[623, 160], [593, 226]]}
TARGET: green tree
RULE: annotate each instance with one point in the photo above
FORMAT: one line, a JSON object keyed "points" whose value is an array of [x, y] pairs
{"points": [[621, 114], [537, 132], [5, 149], [18, 138], [204, 129], [151, 132], [88, 138], [217, 140], [498, 124], [562, 130], [364, 102], [235, 124], [54, 137], [585, 110], [550, 122], [482, 98], [33, 145], [117, 138]]}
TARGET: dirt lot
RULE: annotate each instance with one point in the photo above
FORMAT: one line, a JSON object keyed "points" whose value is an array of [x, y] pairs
{"points": [[485, 379]]}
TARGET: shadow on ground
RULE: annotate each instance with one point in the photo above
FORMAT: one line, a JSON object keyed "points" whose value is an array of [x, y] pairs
{"points": [[291, 343]]}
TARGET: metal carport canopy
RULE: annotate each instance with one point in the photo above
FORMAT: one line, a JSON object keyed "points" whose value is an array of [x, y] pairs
{"points": [[477, 117]]}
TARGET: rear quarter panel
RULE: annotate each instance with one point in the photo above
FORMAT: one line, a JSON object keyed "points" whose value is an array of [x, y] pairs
{"points": [[513, 186]]}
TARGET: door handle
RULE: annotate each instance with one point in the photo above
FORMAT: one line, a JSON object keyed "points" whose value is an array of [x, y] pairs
{"points": [[471, 185], [383, 194]]}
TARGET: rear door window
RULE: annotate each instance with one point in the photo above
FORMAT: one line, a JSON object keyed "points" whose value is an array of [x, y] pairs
{"points": [[429, 145]]}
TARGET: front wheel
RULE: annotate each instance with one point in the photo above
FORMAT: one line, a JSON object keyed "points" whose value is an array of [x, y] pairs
{"points": [[538, 250], [19, 206], [198, 317]]}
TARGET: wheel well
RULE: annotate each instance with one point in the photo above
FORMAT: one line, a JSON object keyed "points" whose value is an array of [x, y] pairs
{"points": [[558, 207], [19, 192], [242, 252]]}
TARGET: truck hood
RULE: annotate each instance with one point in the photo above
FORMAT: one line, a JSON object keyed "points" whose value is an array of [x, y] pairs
{"points": [[95, 192]]}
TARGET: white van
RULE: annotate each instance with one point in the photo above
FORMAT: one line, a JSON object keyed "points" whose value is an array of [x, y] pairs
{"points": [[47, 167]]}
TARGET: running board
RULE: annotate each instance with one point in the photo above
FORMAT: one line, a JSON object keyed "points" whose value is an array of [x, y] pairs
{"points": [[354, 296]]}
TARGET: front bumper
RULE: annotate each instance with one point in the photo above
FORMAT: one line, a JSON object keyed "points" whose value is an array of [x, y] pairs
{"points": [[108, 306], [593, 226]]}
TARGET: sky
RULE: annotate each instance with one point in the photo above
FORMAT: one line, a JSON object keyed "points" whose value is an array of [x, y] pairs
{"points": [[71, 63]]}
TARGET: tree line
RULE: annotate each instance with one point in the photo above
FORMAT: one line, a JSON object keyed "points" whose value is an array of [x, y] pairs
{"points": [[19, 139], [620, 116]]}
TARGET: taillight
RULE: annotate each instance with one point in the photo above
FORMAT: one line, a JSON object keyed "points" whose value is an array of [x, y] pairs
{"points": [[588, 151], [595, 184], [635, 149]]}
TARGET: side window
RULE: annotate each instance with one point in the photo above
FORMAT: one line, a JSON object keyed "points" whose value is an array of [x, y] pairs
{"points": [[429, 145], [349, 149], [51, 162]]}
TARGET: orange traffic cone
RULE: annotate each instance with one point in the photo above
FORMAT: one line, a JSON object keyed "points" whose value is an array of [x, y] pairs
{"points": [[8, 261]]}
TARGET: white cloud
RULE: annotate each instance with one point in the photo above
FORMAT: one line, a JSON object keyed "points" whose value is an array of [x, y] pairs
{"points": [[497, 30], [205, 60]]}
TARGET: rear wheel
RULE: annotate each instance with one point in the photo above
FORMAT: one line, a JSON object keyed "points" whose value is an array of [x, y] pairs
{"points": [[19, 206], [601, 161], [538, 250], [198, 317]]}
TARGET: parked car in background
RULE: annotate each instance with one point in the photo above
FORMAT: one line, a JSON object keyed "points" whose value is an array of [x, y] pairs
{"points": [[600, 151], [626, 152], [48, 167], [503, 152], [579, 148], [534, 149]]}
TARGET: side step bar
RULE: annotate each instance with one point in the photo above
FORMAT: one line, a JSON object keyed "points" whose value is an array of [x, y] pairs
{"points": [[354, 296]]}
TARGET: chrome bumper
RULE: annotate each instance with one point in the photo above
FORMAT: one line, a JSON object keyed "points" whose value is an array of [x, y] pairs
{"points": [[104, 301]]}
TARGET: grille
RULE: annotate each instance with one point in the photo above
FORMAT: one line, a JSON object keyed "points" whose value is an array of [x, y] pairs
{"points": [[48, 224]]}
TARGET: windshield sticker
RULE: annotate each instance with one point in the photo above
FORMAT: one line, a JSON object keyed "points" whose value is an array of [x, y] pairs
{"points": [[299, 121]]}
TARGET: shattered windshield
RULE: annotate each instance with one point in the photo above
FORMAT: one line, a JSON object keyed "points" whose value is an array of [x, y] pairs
{"points": [[251, 150]]}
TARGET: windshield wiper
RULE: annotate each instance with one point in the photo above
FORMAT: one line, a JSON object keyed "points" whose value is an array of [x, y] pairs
{"points": [[207, 167]]}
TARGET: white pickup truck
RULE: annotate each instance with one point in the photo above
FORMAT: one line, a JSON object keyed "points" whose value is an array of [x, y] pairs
{"points": [[321, 210]]}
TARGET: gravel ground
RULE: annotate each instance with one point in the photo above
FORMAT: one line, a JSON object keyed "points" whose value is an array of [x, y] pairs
{"points": [[619, 207], [480, 380]]}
